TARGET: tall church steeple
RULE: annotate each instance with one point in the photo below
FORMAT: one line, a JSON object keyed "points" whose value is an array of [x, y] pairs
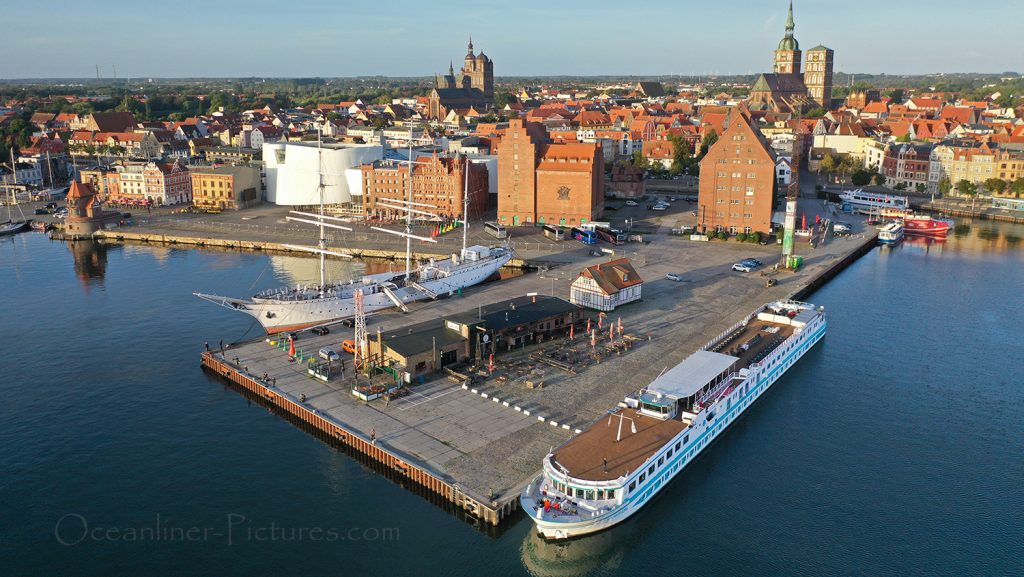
{"points": [[787, 55]]}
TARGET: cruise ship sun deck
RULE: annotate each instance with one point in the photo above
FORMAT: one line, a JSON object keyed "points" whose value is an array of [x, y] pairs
{"points": [[625, 439]]}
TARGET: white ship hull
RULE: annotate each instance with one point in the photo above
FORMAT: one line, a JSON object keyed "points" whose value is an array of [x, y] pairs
{"points": [[280, 315], [699, 436]]}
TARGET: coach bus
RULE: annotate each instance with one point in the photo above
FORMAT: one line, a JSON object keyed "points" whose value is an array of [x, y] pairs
{"points": [[554, 232], [496, 230], [610, 235], [584, 236]]}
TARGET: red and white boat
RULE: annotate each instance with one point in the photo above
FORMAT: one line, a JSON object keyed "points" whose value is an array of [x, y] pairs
{"points": [[923, 224]]}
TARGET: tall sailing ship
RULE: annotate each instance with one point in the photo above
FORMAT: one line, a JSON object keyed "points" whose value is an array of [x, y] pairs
{"points": [[302, 306], [608, 472]]}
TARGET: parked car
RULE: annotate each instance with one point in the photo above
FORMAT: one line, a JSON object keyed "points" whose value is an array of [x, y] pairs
{"points": [[319, 330], [609, 207], [752, 261], [42, 211], [841, 227], [674, 276], [51, 205], [62, 213], [659, 207], [744, 266], [349, 346], [329, 354], [632, 203], [672, 199]]}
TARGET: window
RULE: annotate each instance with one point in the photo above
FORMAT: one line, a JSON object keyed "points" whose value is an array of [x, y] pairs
{"points": [[643, 477], [661, 461], [632, 486], [650, 469]]}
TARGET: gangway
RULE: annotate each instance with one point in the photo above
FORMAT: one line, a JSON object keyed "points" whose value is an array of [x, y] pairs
{"points": [[423, 289], [394, 298]]}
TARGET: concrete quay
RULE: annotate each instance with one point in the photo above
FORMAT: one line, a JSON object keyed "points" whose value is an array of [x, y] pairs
{"points": [[477, 446]]}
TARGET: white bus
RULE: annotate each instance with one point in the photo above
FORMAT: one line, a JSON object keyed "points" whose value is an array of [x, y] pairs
{"points": [[496, 230], [554, 232]]}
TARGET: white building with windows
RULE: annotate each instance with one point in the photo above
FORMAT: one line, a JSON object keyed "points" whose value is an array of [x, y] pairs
{"points": [[607, 285]]}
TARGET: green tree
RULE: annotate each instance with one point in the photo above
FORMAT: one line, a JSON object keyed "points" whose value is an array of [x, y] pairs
{"points": [[1017, 188], [682, 154], [816, 112], [828, 164], [861, 178], [995, 185], [900, 186], [709, 140], [945, 185], [966, 187], [639, 161], [920, 188]]}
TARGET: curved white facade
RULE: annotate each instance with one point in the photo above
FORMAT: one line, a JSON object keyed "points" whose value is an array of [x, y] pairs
{"points": [[293, 169]]}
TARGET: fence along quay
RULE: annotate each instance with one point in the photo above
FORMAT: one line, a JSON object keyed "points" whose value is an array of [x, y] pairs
{"points": [[488, 511]]}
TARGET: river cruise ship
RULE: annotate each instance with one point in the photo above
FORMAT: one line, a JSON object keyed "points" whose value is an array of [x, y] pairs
{"points": [[610, 471]]}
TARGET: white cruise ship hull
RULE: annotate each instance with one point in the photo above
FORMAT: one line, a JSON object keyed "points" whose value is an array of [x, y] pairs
{"points": [[278, 315], [557, 527]]}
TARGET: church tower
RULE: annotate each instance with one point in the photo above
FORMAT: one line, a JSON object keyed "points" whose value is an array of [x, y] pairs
{"points": [[787, 55], [818, 75]]}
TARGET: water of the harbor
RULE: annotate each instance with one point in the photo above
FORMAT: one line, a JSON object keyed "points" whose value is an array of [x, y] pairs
{"points": [[895, 447]]}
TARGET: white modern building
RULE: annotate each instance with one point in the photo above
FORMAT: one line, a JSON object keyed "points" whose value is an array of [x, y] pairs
{"points": [[294, 169]]}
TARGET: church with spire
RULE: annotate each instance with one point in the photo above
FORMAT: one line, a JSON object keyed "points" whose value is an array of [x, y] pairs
{"points": [[795, 84], [472, 87]]}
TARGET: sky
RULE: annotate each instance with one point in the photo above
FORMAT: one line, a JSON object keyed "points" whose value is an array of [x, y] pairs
{"points": [[329, 38]]}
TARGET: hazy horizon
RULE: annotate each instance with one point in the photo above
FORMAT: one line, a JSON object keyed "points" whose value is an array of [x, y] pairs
{"points": [[574, 38]]}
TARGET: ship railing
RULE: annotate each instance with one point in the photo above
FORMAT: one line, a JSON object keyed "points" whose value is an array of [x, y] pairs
{"points": [[731, 331], [715, 392]]}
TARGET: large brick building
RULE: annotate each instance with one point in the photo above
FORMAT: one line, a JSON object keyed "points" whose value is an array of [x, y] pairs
{"points": [[436, 180], [544, 183], [787, 88], [737, 181], [472, 87]]}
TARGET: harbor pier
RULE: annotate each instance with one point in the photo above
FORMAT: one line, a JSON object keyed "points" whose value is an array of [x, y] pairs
{"points": [[474, 443]]}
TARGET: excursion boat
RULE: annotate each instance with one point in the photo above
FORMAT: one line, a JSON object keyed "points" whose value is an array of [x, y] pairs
{"points": [[923, 224], [611, 470], [872, 202], [891, 233]]}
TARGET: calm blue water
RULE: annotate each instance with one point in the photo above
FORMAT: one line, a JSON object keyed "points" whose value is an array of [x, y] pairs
{"points": [[896, 447]]}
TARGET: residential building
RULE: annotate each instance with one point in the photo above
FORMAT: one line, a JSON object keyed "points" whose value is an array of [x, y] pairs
{"points": [[104, 181], [226, 187], [437, 181], [167, 183], [908, 166], [607, 285], [970, 161], [737, 181], [540, 182]]}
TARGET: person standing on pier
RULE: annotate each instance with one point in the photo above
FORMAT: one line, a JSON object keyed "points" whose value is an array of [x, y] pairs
{"points": [[373, 436]]}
